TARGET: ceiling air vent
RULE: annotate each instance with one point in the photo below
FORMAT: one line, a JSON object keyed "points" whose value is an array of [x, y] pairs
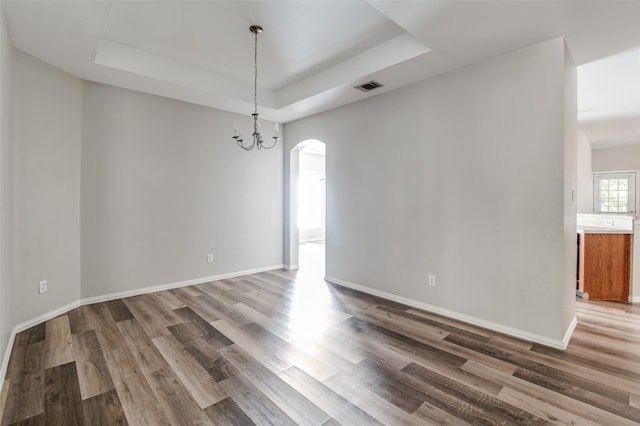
{"points": [[369, 86]]}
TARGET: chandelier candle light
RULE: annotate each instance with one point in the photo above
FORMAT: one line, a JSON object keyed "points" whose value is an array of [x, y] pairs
{"points": [[258, 141]]}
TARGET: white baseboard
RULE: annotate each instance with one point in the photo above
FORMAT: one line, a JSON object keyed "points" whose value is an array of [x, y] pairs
{"points": [[162, 287], [46, 316], [635, 299], [5, 359], [569, 333], [28, 324], [291, 267], [514, 332], [120, 295]]}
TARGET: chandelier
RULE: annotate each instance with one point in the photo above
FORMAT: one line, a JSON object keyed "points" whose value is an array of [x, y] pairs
{"points": [[257, 140]]}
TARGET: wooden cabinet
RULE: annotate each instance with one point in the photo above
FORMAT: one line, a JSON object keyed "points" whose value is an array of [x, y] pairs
{"points": [[606, 265]]}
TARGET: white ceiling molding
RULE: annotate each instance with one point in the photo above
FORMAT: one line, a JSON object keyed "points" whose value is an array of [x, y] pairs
{"points": [[129, 59], [392, 52]]}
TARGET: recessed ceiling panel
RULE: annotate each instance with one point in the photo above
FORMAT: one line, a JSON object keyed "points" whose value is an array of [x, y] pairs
{"points": [[300, 38]]}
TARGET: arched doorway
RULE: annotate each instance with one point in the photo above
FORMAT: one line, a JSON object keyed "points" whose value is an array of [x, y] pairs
{"points": [[306, 207]]}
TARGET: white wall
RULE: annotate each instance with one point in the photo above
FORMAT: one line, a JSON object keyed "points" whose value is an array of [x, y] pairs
{"points": [[163, 184], [460, 176], [570, 201], [585, 175], [313, 164], [47, 110], [291, 237], [618, 158], [6, 187], [635, 270]]}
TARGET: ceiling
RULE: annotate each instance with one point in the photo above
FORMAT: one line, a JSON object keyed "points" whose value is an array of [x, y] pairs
{"points": [[609, 99], [312, 53]]}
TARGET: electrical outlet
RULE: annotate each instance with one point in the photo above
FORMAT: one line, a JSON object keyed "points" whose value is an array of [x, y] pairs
{"points": [[210, 258], [43, 287], [432, 280]]}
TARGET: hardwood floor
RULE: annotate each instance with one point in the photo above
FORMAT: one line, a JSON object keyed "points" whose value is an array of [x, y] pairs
{"points": [[287, 348]]}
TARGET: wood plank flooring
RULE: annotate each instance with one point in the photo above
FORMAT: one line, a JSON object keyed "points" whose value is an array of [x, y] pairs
{"points": [[285, 348]]}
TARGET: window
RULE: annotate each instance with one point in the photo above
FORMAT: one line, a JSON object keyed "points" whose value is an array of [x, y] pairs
{"points": [[614, 192]]}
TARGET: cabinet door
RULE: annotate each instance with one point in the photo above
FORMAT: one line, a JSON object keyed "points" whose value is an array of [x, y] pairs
{"points": [[606, 266]]}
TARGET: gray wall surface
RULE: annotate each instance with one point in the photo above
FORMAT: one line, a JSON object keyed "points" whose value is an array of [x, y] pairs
{"points": [[163, 185], [47, 111], [461, 176], [6, 186]]}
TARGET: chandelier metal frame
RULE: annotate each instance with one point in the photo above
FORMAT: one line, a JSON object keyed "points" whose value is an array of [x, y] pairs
{"points": [[257, 136]]}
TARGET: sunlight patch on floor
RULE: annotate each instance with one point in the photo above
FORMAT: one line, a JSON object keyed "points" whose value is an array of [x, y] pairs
{"points": [[311, 299]]}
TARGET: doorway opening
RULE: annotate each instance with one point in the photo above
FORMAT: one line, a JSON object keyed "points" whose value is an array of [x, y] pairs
{"points": [[311, 206], [310, 196]]}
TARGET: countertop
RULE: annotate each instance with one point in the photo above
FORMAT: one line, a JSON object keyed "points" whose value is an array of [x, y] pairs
{"points": [[600, 230]]}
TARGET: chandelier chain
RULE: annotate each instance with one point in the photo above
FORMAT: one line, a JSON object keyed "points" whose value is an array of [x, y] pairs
{"points": [[255, 72]]}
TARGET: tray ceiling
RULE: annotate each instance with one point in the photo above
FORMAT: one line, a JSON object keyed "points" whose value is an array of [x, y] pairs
{"points": [[311, 54]]}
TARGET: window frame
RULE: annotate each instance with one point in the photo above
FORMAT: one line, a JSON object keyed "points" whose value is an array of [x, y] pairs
{"points": [[631, 191]]}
